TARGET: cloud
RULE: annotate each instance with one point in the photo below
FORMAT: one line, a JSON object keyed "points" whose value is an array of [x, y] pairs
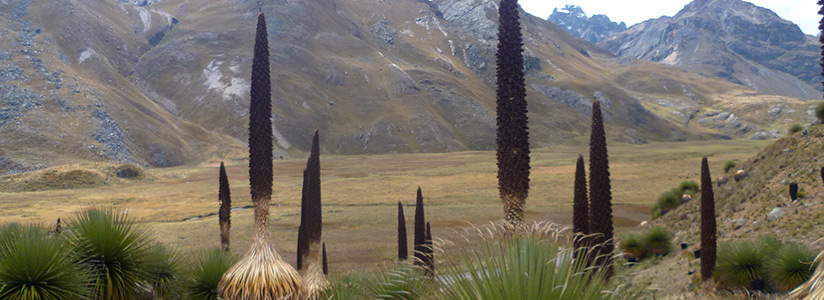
{"points": [[802, 13]]}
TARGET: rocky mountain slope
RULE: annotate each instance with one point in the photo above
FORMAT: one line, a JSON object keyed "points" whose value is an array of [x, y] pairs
{"points": [[593, 29], [164, 83], [732, 39]]}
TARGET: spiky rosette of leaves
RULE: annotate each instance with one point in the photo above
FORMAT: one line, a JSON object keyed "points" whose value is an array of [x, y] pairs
{"points": [[513, 130], [225, 211], [600, 193], [403, 251], [262, 273], [34, 265], [420, 231], [580, 203], [200, 281], [708, 230], [115, 248]]}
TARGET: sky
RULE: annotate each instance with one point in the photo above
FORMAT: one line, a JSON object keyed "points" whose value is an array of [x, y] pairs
{"points": [[801, 12]]}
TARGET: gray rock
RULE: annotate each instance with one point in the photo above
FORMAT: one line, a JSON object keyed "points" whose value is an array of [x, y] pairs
{"points": [[593, 29], [567, 97], [775, 214], [766, 135], [738, 223], [473, 58], [384, 34], [109, 134]]}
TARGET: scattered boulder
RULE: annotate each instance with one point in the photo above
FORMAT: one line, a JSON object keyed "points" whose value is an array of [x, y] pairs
{"points": [[644, 223], [741, 174], [721, 181], [738, 223], [775, 214], [766, 135], [686, 198], [128, 171]]}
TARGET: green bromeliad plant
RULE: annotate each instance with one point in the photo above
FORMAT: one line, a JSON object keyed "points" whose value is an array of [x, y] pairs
{"points": [[35, 265]]}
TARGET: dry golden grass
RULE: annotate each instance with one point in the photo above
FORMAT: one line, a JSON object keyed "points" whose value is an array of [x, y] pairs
{"points": [[360, 195]]}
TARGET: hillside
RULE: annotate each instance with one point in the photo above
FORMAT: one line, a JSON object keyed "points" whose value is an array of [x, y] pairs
{"points": [[743, 207], [732, 39], [164, 83]]}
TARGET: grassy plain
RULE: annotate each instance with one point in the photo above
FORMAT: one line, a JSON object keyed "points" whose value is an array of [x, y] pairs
{"points": [[360, 194]]}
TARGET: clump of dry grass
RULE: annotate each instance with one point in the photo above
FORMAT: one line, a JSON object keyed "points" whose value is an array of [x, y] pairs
{"points": [[261, 274]]}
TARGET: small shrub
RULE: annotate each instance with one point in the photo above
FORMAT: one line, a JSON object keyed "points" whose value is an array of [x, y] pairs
{"points": [[633, 245], [739, 263], [689, 187], [791, 266], [795, 128], [669, 200], [201, 280], [659, 240], [729, 165], [656, 211], [819, 112]]}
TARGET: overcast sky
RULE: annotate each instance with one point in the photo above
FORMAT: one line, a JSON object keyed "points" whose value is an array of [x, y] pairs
{"points": [[801, 12]]}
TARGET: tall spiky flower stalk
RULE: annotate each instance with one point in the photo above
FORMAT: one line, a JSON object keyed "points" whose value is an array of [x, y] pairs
{"points": [[580, 204], [708, 230], [325, 263], [403, 251], [600, 209], [261, 274], [225, 211], [513, 130], [821, 42], [302, 242], [420, 232], [312, 270], [430, 251]]}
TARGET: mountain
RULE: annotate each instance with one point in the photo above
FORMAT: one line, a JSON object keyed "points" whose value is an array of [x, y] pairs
{"points": [[165, 82], [732, 39], [593, 29]]}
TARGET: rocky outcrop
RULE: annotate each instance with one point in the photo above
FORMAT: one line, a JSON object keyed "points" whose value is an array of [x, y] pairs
{"points": [[593, 29], [731, 39]]}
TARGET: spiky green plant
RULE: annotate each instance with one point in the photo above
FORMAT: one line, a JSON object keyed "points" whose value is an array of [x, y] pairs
{"points": [[791, 266], [658, 239], [262, 273], [403, 282], [115, 248], [795, 128], [403, 251], [163, 267], [708, 230], [344, 288], [512, 122], [34, 265], [201, 279], [225, 211], [600, 193], [520, 268], [739, 263]]}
